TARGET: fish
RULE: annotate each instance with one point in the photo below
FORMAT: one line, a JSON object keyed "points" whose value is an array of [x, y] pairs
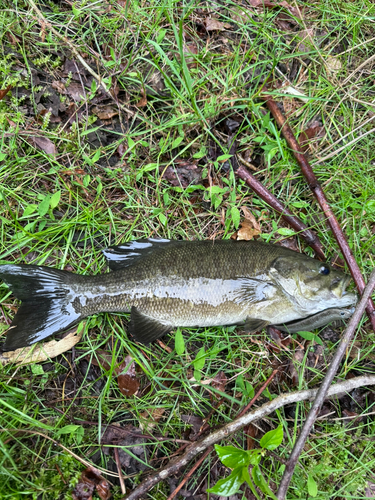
{"points": [[165, 284], [317, 320]]}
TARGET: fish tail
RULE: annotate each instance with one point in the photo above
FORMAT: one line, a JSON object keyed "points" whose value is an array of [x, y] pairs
{"points": [[47, 303]]}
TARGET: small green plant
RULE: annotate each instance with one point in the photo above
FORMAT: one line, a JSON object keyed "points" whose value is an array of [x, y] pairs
{"points": [[241, 460]]}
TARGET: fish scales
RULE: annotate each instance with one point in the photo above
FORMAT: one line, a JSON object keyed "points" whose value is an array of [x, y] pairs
{"points": [[165, 284], [191, 284]]}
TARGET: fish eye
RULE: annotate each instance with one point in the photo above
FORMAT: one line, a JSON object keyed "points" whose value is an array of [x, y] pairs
{"points": [[324, 270]]}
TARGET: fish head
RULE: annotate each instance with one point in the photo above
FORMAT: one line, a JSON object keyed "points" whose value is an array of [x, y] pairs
{"points": [[311, 285]]}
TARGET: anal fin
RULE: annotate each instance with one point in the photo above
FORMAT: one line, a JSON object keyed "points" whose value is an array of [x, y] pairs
{"points": [[254, 325], [145, 329]]}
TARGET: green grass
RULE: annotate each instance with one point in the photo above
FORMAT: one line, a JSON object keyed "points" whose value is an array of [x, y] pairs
{"points": [[61, 211]]}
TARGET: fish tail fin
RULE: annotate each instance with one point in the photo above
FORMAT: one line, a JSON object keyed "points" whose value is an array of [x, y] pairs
{"points": [[46, 308]]}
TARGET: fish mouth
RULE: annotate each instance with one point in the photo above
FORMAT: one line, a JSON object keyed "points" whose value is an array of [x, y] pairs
{"points": [[339, 291]]}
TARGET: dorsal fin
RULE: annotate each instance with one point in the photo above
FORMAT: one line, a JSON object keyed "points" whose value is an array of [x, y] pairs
{"points": [[127, 254]]}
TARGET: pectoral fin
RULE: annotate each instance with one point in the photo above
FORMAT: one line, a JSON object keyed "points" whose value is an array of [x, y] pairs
{"points": [[254, 325], [145, 329]]}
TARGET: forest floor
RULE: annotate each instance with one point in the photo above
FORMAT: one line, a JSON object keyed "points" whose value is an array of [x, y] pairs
{"points": [[117, 123]]}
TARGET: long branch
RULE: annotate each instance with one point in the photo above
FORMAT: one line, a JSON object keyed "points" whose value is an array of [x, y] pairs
{"points": [[331, 372], [198, 447], [322, 200]]}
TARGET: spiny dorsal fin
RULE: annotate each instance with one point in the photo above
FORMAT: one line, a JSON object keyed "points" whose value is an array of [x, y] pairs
{"points": [[127, 254]]}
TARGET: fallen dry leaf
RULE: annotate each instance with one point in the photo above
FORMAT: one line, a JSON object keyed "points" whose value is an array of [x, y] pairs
{"points": [[59, 86], [190, 48], [127, 382], [143, 100], [249, 227], [333, 65], [89, 481], [104, 112], [314, 131], [41, 352], [4, 92], [219, 381], [213, 24], [75, 91], [267, 4], [149, 419], [44, 144], [182, 173], [250, 432]]}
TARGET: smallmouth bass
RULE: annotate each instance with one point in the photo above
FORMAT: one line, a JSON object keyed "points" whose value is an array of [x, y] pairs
{"points": [[165, 284]]}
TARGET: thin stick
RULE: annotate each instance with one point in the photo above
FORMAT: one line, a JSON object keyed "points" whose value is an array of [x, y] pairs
{"points": [[259, 392], [121, 477], [207, 452], [309, 236], [190, 473], [321, 395], [322, 200], [198, 447]]}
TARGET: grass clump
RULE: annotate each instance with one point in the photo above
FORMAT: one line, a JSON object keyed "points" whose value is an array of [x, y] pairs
{"points": [[81, 169]]}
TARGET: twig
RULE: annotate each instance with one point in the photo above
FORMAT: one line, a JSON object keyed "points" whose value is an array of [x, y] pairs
{"points": [[259, 392], [370, 59], [334, 153], [190, 473], [44, 23], [306, 233], [120, 476], [207, 452], [56, 443], [322, 200], [321, 395], [284, 399]]}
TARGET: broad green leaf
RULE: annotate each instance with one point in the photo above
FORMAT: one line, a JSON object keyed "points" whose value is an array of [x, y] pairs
{"points": [[179, 342], [200, 153], [96, 156], [131, 143], [312, 487], [44, 205], [37, 369], [177, 142], [311, 336], [232, 457], [68, 429], [284, 231], [246, 477], [86, 180], [149, 167], [236, 216], [245, 387], [228, 486], [55, 198], [200, 359], [30, 209], [272, 439], [163, 219], [255, 456], [197, 375], [161, 35], [261, 482], [223, 157]]}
